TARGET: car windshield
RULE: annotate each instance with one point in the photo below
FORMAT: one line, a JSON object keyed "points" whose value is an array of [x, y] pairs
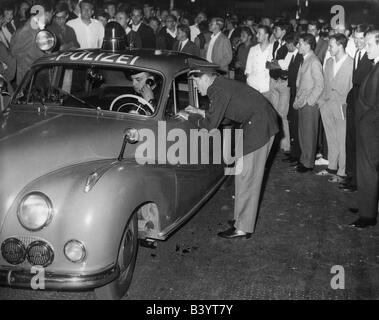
{"points": [[92, 87]]}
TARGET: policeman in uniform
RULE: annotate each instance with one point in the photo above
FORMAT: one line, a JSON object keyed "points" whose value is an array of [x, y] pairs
{"points": [[235, 101]]}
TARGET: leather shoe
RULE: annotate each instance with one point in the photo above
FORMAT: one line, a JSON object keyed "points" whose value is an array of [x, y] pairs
{"points": [[231, 223], [362, 223], [354, 210], [302, 169], [348, 188], [232, 233]]}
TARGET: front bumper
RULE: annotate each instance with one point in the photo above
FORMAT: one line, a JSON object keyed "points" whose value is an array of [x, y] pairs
{"points": [[21, 278]]}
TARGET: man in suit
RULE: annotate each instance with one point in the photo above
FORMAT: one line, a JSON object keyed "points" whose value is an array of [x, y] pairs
{"points": [[338, 82], [219, 49], [321, 50], [362, 67], [292, 41], [183, 43], [7, 25], [279, 94], [367, 112], [23, 45], [235, 101], [309, 84], [314, 29], [145, 33]]}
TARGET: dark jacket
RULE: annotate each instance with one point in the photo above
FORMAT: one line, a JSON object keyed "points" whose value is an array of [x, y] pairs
{"points": [[280, 55], [364, 67], [168, 40], [368, 97], [66, 38], [133, 40], [321, 48], [235, 101], [147, 36], [189, 48], [293, 70]]}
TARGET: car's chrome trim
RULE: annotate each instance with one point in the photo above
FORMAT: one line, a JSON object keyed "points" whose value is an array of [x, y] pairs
{"points": [[22, 278]]}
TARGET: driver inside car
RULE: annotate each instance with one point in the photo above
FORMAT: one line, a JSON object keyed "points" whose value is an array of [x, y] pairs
{"points": [[144, 85]]}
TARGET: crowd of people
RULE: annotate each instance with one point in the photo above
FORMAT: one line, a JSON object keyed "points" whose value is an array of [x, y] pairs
{"points": [[319, 78]]}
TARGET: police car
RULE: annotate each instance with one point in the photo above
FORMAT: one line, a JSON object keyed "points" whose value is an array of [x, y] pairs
{"points": [[74, 199]]}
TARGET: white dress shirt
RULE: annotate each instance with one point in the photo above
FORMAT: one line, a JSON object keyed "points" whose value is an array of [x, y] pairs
{"points": [[172, 33], [376, 60], [284, 63], [210, 46], [89, 36], [136, 27], [258, 76], [182, 44], [195, 31]]}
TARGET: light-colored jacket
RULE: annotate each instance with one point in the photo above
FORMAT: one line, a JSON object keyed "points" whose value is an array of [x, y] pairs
{"points": [[309, 83], [337, 87], [222, 53]]}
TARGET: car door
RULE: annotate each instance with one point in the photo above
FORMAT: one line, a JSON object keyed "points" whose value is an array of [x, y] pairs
{"points": [[196, 176]]}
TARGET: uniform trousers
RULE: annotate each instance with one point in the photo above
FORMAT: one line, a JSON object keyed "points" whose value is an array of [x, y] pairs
{"points": [[248, 187]]}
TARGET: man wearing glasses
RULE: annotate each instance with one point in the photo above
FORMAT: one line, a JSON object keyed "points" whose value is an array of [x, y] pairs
{"points": [[66, 38]]}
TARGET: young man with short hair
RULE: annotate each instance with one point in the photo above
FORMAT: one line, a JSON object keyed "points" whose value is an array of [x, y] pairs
{"points": [[219, 48], [310, 84], [183, 43], [332, 104], [89, 32]]}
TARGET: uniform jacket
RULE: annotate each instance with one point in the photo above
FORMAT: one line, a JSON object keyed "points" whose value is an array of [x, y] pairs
{"points": [[222, 53], [309, 83], [189, 48], [337, 87], [235, 101]]}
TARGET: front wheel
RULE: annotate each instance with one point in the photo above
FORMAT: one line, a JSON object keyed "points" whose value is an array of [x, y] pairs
{"points": [[127, 256]]}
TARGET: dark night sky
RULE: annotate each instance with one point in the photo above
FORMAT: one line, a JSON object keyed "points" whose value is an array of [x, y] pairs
{"points": [[355, 10]]}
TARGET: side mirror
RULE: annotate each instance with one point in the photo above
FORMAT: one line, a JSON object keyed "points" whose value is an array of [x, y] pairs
{"points": [[131, 136]]}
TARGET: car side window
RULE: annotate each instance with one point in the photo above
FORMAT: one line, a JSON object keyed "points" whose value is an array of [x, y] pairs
{"points": [[181, 95]]}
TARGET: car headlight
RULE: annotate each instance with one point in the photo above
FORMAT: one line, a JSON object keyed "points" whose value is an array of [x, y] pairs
{"points": [[45, 40], [35, 211], [75, 251]]}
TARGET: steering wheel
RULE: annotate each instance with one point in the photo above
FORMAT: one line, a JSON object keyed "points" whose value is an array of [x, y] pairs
{"points": [[143, 105]]}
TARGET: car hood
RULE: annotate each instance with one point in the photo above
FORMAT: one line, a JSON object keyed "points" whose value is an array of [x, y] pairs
{"points": [[33, 144]]}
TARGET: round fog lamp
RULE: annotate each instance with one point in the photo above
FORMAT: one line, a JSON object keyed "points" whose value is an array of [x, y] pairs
{"points": [[75, 251], [35, 211], [45, 40]]}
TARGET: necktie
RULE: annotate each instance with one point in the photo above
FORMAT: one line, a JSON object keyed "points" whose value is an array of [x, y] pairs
{"points": [[180, 46], [359, 59], [10, 28], [275, 47]]}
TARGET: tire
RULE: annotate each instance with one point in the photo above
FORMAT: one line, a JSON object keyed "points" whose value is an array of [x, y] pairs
{"points": [[127, 256]]}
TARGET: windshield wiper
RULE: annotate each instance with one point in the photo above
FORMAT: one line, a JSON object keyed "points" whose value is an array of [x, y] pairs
{"points": [[87, 104]]}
